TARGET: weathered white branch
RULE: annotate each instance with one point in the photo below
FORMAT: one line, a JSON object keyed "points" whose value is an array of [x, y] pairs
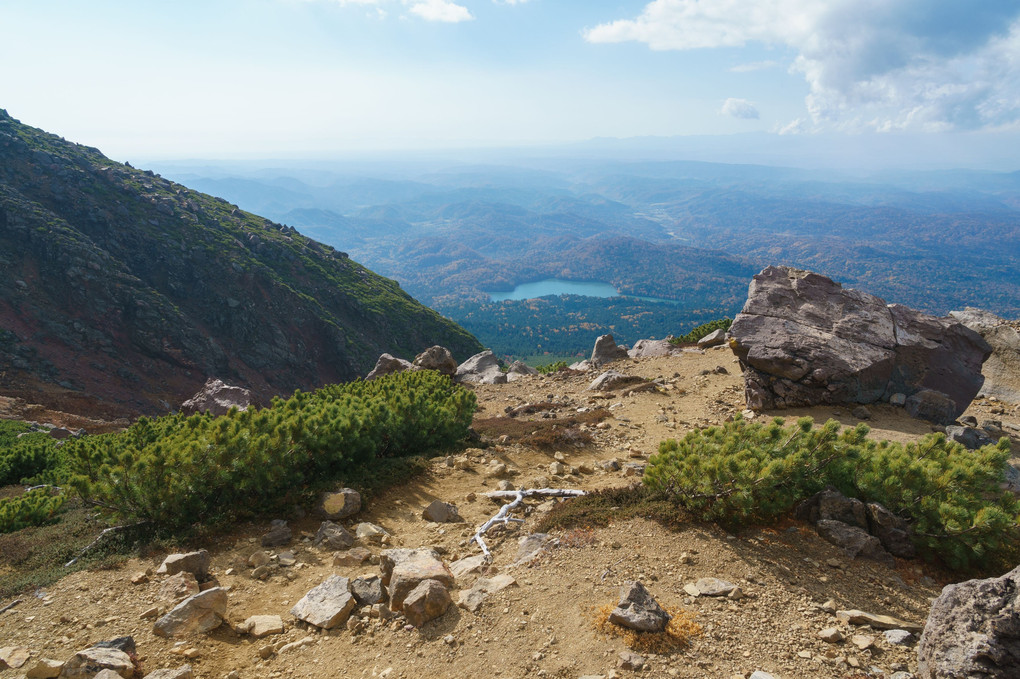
{"points": [[503, 515], [99, 538], [11, 605]]}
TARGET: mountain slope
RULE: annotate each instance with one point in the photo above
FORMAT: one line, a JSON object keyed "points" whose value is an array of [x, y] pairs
{"points": [[123, 291]]}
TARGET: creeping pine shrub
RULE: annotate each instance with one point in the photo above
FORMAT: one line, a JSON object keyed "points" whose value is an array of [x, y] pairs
{"points": [[702, 330], [552, 367], [176, 471], [34, 508], [742, 472]]}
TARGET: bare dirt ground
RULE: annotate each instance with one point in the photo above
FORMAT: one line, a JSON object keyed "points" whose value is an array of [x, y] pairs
{"points": [[541, 626]]}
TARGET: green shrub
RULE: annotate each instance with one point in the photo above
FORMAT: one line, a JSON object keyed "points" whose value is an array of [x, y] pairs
{"points": [[35, 508], [552, 367], [177, 471], [742, 472], [702, 331], [20, 458]]}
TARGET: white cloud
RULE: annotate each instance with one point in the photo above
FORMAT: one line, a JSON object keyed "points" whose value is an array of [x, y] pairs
{"points": [[869, 64], [441, 10], [739, 108], [753, 66]]}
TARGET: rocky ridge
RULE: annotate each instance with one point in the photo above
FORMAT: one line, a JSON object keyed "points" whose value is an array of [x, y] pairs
{"points": [[778, 601]]}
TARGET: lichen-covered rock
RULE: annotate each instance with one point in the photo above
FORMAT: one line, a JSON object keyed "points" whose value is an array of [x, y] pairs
{"points": [[340, 504], [803, 339], [973, 630], [638, 610]]}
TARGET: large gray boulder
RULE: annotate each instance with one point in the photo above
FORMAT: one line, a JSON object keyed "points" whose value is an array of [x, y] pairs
{"points": [[217, 398], [606, 351], [645, 348], [389, 365], [803, 339], [482, 368], [973, 630], [519, 370], [1002, 369], [437, 358]]}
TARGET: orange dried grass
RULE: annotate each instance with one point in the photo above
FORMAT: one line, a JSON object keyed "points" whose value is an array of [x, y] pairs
{"points": [[677, 635]]}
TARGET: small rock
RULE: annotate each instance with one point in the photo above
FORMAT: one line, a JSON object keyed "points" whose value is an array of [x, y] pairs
{"points": [[195, 615], [862, 641], [178, 586], [861, 413], [405, 569], [326, 605], [353, 557], [429, 600], [92, 661], [45, 668], [831, 635], [196, 563], [286, 558], [340, 504], [369, 532], [183, 672], [638, 610], [898, 637], [139, 578], [856, 617], [279, 534], [260, 626], [714, 587], [14, 656], [259, 558], [368, 590], [441, 512]]}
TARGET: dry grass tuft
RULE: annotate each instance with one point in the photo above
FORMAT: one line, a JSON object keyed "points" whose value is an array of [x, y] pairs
{"points": [[677, 635]]}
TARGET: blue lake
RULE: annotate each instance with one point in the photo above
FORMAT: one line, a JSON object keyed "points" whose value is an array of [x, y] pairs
{"points": [[555, 286]]}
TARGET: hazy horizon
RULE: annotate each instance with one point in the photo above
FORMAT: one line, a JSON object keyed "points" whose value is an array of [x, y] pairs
{"points": [[803, 83]]}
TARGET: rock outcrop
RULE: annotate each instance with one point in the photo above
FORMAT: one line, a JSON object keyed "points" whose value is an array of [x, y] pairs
{"points": [[973, 630], [482, 368], [803, 339], [436, 358], [217, 398], [1002, 369], [606, 351]]}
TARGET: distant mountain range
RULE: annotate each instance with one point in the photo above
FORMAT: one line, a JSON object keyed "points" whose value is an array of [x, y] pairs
{"points": [[690, 232], [121, 291]]}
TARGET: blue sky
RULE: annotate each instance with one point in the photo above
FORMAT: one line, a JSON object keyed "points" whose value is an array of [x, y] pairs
{"points": [[292, 78]]}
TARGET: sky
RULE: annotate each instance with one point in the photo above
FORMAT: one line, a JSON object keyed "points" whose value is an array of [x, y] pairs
{"points": [[315, 78]]}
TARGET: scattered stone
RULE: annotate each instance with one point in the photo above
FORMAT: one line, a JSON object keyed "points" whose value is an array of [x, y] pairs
{"points": [[45, 668], [519, 370], [196, 563], [217, 398], [149, 613], [714, 587], [482, 368], [353, 557], [14, 656], [612, 380], [326, 605], [856, 617], [932, 405], [333, 536], [89, 663], [139, 578], [195, 615], [832, 505], [279, 534], [437, 358], [405, 569], [970, 438], [530, 547], [259, 558], [389, 365], [260, 626], [473, 598], [441, 512], [638, 610], [368, 590], [466, 566], [862, 641], [606, 351], [892, 531], [340, 504], [183, 672], [854, 541], [369, 532], [758, 674], [178, 586], [629, 660], [429, 600], [898, 637], [611, 465], [495, 469], [286, 558], [831, 635], [713, 339], [861, 413], [973, 630], [692, 589]]}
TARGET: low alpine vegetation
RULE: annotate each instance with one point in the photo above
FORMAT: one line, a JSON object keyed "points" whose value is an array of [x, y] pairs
{"points": [[702, 331], [750, 472]]}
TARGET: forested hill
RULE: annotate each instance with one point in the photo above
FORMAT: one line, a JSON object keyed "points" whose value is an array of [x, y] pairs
{"points": [[122, 292]]}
